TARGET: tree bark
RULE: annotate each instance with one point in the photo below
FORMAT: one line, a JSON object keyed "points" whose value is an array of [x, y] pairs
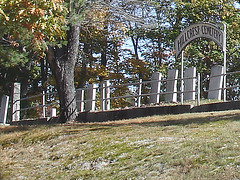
{"points": [[83, 72], [62, 62], [103, 57], [135, 46], [104, 49]]}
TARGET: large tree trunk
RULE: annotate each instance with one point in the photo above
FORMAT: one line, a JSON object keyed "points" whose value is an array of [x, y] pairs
{"points": [[103, 56], [62, 61], [83, 72], [104, 45]]}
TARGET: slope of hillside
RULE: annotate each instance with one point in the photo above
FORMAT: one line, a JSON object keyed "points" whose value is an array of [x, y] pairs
{"points": [[186, 146]]}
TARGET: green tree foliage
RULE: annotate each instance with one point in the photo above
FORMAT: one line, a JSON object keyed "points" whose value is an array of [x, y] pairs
{"points": [[152, 32], [96, 35], [202, 53], [27, 27]]}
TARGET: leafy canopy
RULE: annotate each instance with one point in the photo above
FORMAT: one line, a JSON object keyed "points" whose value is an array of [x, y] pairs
{"points": [[30, 23]]}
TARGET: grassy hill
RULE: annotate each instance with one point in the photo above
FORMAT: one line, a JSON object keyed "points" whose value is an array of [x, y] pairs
{"points": [[186, 146]]}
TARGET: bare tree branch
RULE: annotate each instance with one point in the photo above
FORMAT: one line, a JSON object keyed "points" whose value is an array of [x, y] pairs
{"points": [[137, 11]]}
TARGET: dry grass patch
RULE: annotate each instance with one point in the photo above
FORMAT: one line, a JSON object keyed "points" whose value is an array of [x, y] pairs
{"points": [[186, 146]]}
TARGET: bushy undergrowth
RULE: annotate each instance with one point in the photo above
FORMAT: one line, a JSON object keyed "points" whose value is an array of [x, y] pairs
{"points": [[187, 146]]}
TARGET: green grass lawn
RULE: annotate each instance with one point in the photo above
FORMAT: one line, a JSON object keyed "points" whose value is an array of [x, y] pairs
{"points": [[186, 146]]}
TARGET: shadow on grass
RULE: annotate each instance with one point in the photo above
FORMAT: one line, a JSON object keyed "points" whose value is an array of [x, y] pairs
{"points": [[212, 117], [155, 121], [188, 121], [12, 129]]}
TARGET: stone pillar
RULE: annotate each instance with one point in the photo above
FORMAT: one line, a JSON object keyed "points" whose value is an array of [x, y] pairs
{"points": [[190, 84], [108, 95], [171, 95], [4, 109], [43, 104], [16, 95], [53, 112], [91, 97], [80, 100], [216, 82], [155, 88], [105, 95], [140, 93]]}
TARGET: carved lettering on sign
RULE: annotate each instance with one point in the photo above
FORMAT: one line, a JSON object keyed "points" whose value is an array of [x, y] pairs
{"points": [[204, 30]]}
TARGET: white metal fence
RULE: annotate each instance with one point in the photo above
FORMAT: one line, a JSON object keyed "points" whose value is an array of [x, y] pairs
{"points": [[136, 96], [42, 106], [100, 96]]}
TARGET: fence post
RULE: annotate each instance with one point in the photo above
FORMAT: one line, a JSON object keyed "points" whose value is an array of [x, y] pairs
{"points": [[108, 95], [182, 81], [80, 100], [4, 109], [190, 84], [91, 97], [199, 89], [139, 92], [155, 87], [43, 104], [216, 82], [171, 95], [16, 95]]}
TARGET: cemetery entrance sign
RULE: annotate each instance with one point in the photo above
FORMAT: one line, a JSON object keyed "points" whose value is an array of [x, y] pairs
{"points": [[207, 31], [204, 30]]}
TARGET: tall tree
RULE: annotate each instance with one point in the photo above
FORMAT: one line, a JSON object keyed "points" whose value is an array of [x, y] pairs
{"points": [[63, 60], [34, 24]]}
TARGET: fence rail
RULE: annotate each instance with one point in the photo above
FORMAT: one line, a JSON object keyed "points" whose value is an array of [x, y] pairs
{"points": [[42, 104]]}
